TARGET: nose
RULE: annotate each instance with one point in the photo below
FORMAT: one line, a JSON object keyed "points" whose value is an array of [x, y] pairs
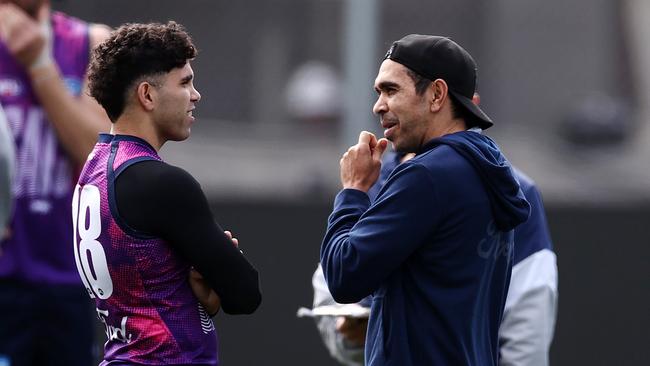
{"points": [[380, 106], [196, 96]]}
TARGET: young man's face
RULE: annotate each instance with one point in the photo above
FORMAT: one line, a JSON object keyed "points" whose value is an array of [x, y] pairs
{"points": [[176, 99], [403, 113]]}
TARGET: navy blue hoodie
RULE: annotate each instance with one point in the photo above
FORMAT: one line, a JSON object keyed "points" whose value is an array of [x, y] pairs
{"points": [[435, 250]]}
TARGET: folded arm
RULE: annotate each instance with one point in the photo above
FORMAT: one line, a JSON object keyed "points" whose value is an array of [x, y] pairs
{"points": [[165, 201]]}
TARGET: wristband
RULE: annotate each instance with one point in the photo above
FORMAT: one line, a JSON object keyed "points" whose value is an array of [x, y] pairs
{"points": [[45, 58]]}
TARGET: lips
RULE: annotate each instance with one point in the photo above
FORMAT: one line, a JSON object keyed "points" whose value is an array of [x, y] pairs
{"points": [[190, 115], [389, 127]]}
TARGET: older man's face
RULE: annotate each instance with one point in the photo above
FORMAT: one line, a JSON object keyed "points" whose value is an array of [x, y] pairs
{"points": [[404, 115]]}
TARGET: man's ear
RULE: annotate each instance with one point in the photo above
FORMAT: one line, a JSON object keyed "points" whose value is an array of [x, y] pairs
{"points": [[439, 94], [146, 95]]}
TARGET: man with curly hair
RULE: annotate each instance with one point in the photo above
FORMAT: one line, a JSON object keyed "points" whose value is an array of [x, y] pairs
{"points": [[147, 247], [52, 125]]}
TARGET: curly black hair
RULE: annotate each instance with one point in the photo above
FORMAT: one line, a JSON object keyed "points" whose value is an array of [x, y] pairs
{"points": [[135, 52]]}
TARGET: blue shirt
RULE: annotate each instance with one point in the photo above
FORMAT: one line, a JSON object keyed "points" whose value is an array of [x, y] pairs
{"points": [[434, 250], [530, 237]]}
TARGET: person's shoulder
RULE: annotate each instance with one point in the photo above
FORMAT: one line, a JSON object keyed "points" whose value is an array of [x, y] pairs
{"points": [[160, 174], [98, 33], [412, 173], [523, 178], [441, 159], [78, 28], [154, 182], [527, 184], [169, 172], [68, 24], [438, 151]]}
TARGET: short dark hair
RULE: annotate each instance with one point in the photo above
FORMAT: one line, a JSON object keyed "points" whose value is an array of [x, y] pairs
{"points": [[134, 52], [457, 110], [420, 82]]}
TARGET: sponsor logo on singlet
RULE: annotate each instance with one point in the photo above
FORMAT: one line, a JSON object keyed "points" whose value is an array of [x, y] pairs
{"points": [[115, 333], [10, 88]]}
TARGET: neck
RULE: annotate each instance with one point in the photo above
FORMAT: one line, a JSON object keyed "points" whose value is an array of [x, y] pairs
{"points": [[138, 126], [456, 125], [441, 128]]}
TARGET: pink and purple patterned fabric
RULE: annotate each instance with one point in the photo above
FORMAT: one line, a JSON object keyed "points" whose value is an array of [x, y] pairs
{"points": [[140, 285]]}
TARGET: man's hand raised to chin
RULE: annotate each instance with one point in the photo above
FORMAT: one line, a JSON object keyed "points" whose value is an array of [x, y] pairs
{"points": [[361, 164]]}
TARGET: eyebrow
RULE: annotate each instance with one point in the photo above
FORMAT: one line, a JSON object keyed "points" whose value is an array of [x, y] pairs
{"points": [[386, 85], [187, 78]]}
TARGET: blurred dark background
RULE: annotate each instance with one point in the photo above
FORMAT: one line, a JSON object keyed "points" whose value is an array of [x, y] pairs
{"points": [[284, 90], [603, 282]]}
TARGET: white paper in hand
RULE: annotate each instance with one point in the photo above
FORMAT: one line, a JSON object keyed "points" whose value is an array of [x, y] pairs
{"points": [[348, 310]]}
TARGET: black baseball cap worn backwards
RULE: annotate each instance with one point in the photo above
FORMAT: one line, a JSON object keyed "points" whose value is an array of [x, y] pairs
{"points": [[435, 57]]}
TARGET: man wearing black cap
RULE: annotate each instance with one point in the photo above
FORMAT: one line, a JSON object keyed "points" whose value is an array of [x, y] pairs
{"points": [[435, 247]]}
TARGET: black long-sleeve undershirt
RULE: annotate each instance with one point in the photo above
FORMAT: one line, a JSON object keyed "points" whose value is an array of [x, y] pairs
{"points": [[167, 202]]}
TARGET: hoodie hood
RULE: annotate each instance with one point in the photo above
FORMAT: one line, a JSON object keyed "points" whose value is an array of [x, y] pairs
{"points": [[508, 203]]}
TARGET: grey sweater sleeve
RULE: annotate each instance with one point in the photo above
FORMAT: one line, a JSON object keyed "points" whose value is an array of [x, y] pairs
{"points": [[528, 321]]}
